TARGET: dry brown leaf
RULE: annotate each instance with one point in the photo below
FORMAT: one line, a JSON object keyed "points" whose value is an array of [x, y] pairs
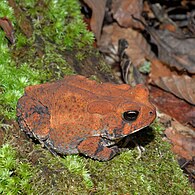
{"points": [[186, 2], [123, 11], [182, 139], [6, 25], [159, 69], [147, 10], [175, 50], [173, 106], [181, 86], [98, 11], [138, 49]]}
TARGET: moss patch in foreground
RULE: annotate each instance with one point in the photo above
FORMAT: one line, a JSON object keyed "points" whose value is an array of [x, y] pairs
{"points": [[15, 174], [156, 172]]}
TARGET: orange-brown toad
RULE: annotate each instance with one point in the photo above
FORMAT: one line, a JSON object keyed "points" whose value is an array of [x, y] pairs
{"points": [[78, 115]]}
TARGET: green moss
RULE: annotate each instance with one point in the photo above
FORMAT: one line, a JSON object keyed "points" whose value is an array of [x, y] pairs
{"points": [[56, 175], [13, 80], [145, 67], [67, 26], [54, 32], [76, 165], [6, 11], [21, 40], [80, 55], [156, 172], [15, 175]]}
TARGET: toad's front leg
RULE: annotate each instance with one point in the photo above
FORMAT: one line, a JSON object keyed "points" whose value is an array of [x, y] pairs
{"points": [[94, 148]]}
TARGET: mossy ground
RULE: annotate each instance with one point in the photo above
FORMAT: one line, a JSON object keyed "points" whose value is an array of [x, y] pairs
{"points": [[26, 167]]}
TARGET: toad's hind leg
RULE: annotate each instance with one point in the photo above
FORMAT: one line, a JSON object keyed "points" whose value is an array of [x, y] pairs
{"points": [[33, 117], [94, 148]]}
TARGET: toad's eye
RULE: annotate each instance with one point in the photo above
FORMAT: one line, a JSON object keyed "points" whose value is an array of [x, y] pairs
{"points": [[130, 115]]}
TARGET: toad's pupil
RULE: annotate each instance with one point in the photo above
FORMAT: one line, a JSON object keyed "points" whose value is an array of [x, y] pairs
{"points": [[130, 115]]}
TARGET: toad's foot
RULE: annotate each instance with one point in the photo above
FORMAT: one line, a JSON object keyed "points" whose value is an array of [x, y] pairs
{"points": [[94, 148]]}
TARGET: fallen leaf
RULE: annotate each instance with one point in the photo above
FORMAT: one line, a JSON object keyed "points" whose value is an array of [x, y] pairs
{"points": [[98, 11], [138, 50], [175, 50], [158, 69], [173, 106], [123, 11], [6, 25], [182, 139], [182, 86]]}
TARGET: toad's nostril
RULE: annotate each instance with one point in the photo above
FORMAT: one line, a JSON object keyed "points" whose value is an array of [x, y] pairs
{"points": [[151, 113]]}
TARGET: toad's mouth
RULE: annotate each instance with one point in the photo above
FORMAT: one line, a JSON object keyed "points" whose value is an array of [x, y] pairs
{"points": [[119, 133]]}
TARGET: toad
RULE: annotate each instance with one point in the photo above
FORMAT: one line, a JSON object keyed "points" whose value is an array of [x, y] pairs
{"points": [[78, 115]]}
